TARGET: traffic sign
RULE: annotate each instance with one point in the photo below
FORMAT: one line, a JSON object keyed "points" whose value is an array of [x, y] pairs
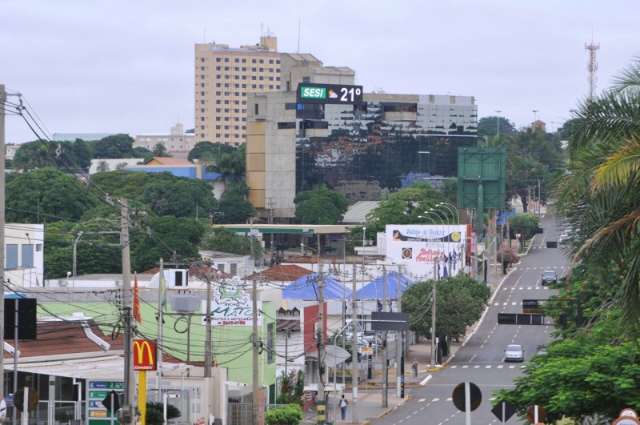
{"points": [[340, 94], [458, 396], [111, 402], [503, 411], [627, 417], [536, 414]]}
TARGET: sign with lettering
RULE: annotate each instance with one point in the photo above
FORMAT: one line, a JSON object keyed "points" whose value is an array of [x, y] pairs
{"points": [[145, 354], [340, 94], [231, 305]]}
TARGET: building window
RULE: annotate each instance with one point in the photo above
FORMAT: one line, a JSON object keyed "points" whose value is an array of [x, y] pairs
{"points": [[202, 134], [218, 135], [270, 60], [237, 93], [236, 60], [202, 110], [253, 61], [271, 86], [201, 59], [202, 128], [218, 102], [261, 78], [261, 86], [237, 102], [218, 59], [244, 86], [261, 61], [27, 256], [202, 102], [237, 85], [261, 69], [253, 77], [233, 269], [218, 93], [218, 84], [256, 109], [226, 127], [306, 80], [218, 127], [227, 93], [278, 70], [226, 110], [226, 68], [226, 102], [237, 111], [270, 337], [202, 85], [244, 60], [218, 110], [201, 118], [278, 87], [253, 69], [277, 61], [201, 93], [218, 76], [237, 136], [202, 68], [226, 59], [11, 257], [286, 125], [244, 69]]}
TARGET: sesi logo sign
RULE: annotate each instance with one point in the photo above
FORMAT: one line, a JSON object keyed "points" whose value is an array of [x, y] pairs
{"points": [[313, 92]]}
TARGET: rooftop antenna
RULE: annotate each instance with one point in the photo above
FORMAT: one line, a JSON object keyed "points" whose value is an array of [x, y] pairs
{"points": [[592, 66], [299, 22]]}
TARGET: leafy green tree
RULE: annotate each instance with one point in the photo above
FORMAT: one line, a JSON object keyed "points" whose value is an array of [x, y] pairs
{"points": [[116, 146], [226, 159], [46, 192], [223, 240], [526, 224], [71, 156], [291, 388], [488, 126], [234, 206], [164, 193], [160, 150], [287, 415], [460, 303], [320, 205], [155, 413], [160, 237]]}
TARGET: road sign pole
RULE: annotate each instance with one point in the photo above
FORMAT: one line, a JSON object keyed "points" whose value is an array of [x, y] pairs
{"points": [[467, 403], [535, 414]]}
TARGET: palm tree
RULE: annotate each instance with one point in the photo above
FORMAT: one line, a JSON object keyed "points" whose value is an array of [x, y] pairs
{"points": [[601, 196]]}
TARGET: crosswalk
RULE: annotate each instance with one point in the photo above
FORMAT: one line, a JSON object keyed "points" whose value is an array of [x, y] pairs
{"points": [[528, 288], [544, 268], [487, 366]]}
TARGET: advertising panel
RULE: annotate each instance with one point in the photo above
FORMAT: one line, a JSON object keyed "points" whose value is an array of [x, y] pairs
{"points": [[145, 354], [231, 305], [426, 250]]}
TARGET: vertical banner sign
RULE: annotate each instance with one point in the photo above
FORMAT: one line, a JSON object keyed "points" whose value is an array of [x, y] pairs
{"points": [[145, 354]]}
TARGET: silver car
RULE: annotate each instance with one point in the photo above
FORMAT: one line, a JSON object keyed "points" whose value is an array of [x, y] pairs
{"points": [[514, 353]]}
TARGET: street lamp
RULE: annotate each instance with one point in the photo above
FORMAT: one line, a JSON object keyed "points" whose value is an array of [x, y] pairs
{"points": [[452, 209], [364, 234], [432, 213]]}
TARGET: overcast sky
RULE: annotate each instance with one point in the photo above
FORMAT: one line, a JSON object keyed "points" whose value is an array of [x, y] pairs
{"points": [[127, 66]]}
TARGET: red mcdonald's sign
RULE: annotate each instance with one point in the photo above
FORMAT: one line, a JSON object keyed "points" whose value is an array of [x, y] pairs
{"points": [[145, 354]]}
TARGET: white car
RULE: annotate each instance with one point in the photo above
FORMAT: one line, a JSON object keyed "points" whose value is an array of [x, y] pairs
{"points": [[514, 353]]}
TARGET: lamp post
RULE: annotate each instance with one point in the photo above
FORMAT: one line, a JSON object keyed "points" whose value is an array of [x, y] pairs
{"points": [[444, 217], [451, 208], [364, 235], [431, 214]]}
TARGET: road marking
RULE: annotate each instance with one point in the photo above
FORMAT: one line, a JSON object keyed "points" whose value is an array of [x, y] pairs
{"points": [[477, 366], [435, 399], [502, 304], [425, 380], [454, 366], [528, 288], [449, 399], [496, 304], [500, 366], [513, 303], [486, 367], [512, 367], [422, 400], [465, 367]]}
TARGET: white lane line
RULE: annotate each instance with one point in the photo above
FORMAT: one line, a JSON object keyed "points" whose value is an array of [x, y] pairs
{"points": [[425, 380], [449, 399], [465, 367], [496, 304], [436, 399], [477, 366], [486, 367], [500, 366], [512, 367], [513, 303], [454, 366], [421, 400]]}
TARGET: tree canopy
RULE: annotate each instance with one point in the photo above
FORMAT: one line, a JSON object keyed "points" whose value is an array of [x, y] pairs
{"points": [[320, 205], [46, 194], [234, 206], [222, 158], [72, 156], [460, 303], [227, 241], [488, 126]]}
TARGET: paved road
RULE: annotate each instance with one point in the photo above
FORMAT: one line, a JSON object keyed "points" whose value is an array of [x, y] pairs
{"points": [[481, 360]]}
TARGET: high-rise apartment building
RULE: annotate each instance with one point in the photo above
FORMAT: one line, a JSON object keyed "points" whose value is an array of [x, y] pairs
{"points": [[223, 77]]}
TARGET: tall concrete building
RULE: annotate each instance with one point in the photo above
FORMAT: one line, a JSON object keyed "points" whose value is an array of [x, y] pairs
{"points": [[372, 147], [272, 134], [177, 143], [224, 76]]}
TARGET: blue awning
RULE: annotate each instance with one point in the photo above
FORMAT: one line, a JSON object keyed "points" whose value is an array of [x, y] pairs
{"points": [[306, 288], [374, 290]]}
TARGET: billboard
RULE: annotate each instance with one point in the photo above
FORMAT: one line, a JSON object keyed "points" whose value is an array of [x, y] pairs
{"points": [[426, 250], [231, 305]]}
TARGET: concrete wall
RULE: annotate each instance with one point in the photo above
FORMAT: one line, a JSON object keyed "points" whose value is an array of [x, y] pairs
{"points": [[21, 239]]}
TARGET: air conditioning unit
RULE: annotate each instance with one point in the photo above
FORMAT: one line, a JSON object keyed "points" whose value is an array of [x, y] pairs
{"points": [[185, 303]]}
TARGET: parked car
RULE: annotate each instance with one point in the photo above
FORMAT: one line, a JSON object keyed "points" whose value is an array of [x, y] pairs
{"points": [[514, 353], [549, 277]]}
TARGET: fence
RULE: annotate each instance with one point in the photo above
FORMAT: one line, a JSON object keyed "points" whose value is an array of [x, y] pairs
{"points": [[239, 413]]}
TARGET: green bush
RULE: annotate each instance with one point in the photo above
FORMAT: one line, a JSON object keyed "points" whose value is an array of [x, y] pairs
{"points": [[525, 224], [287, 415], [155, 413]]}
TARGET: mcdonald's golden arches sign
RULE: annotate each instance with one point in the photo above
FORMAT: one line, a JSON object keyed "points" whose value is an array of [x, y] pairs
{"points": [[145, 354]]}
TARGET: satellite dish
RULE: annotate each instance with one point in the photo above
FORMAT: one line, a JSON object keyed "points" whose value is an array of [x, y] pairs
{"points": [[335, 355]]}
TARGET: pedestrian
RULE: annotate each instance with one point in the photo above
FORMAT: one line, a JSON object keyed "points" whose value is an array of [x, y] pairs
{"points": [[343, 407], [414, 366]]}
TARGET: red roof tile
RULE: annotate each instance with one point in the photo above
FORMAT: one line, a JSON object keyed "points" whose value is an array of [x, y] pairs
{"points": [[281, 273]]}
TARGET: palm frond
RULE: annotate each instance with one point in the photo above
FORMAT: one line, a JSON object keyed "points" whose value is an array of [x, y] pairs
{"points": [[619, 167], [629, 78], [610, 118], [625, 225]]}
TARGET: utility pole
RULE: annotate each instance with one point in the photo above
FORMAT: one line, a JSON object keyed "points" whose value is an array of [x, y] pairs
{"points": [[385, 365], [539, 200], [3, 97], [75, 253], [433, 312], [208, 334], [321, 368], [255, 341], [161, 289], [399, 349], [129, 377], [355, 370]]}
